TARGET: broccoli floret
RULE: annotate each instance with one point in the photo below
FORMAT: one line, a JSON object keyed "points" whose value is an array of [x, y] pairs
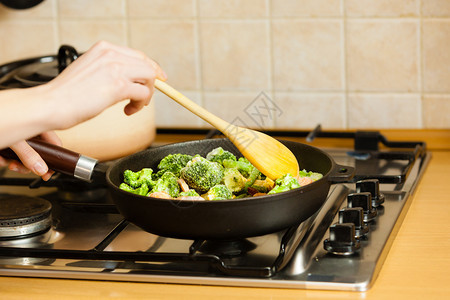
{"points": [[141, 190], [202, 174], [219, 154], [131, 178], [167, 183], [173, 163], [263, 186], [313, 175], [190, 193], [234, 180], [146, 176], [218, 192], [136, 179], [285, 183]]}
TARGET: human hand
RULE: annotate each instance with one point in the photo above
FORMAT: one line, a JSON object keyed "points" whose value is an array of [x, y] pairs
{"points": [[30, 160], [104, 75]]}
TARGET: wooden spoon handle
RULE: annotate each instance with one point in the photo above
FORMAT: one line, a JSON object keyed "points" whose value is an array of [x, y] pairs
{"points": [[192, 106]]}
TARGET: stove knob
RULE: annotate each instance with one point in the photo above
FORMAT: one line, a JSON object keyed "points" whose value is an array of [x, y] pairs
{"points": [[373, 187], [363, 200], [342, 239], [354, 215]]}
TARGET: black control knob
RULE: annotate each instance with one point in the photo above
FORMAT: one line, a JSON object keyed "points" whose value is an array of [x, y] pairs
{"points": [[363, 200], [373, 187], [354, 215], [342, 239]]}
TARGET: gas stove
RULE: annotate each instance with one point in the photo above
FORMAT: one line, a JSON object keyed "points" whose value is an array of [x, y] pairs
{"points": [[65, 228]]}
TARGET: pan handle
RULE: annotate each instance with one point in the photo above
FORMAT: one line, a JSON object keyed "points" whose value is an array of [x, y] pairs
{"points": [[59, 159], [341, 173]]}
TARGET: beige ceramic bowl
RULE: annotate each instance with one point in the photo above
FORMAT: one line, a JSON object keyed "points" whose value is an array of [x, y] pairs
{"points": [[112, 134]]}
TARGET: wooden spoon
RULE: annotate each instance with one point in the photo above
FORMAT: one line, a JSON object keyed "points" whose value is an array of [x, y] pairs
{"points": [[268, 155]]}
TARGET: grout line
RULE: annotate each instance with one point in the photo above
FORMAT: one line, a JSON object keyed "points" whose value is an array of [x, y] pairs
{"points": [[57, 24], [420, 66], [198, 57], [127, 24], [271, 66], [344, 45]]}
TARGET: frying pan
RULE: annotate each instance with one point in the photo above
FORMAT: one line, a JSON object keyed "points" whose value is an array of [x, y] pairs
{"points": [[209, 220]]}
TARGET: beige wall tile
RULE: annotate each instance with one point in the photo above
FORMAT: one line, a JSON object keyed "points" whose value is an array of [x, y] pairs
{"points": [[436, 111], [382, 55], [91, 9], [249, 109], [168, 113], [234, 55], [369, 111], [436, 55], [43, 10], [39, 41], [82, 34], [307, 55], [172, 44], [301, 111], [382, 8], [435, 8], [233, 8], [161, 8], [309, 8]]}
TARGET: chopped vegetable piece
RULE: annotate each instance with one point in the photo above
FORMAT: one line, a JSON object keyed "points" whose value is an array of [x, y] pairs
{"points": [[202, 174], [218, 192], [168, 184], [219, 154]]}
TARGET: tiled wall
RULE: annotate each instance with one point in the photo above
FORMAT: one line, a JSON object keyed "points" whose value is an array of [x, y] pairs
{"points": [[347, 64]]}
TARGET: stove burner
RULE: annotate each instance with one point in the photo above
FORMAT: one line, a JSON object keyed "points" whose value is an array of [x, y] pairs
{"points": [[23, 216], [227, 248]]}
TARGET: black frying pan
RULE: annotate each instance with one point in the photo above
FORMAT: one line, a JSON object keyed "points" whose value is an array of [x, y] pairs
{"points": [[224, 219]]}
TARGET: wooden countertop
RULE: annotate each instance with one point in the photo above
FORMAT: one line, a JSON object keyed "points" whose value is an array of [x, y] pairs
{"points": [[417, 266]]}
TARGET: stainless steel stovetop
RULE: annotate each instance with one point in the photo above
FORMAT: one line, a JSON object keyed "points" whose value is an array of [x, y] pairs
{"points": [[341, 247]]}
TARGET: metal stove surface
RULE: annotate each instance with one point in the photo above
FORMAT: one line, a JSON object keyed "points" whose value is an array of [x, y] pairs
{"points": [[135, 255]]}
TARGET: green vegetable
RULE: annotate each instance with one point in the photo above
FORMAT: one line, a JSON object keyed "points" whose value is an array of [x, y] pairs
{"points": [[173, 163], [246, 168], [234, 180], [279, 189], [285, 183], [189, 193], [142, 190], [218, 192], [219, 154], [167, 183], [202, 174], [136, 179], [313, 175]]}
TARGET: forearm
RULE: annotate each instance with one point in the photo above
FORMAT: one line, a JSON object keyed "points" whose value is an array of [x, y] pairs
{"points": [[25, 113]]}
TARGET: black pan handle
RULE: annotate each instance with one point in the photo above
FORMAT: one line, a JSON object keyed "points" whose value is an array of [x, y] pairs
{"points": [[59, 159], [66, 55], [341, 173]]}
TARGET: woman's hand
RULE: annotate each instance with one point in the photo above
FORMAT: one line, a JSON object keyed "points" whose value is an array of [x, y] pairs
{"points": [[31, 161], [104, 75]]}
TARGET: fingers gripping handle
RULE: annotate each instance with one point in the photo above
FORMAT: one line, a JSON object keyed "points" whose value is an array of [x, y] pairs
{"points": [[59, 159]]}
